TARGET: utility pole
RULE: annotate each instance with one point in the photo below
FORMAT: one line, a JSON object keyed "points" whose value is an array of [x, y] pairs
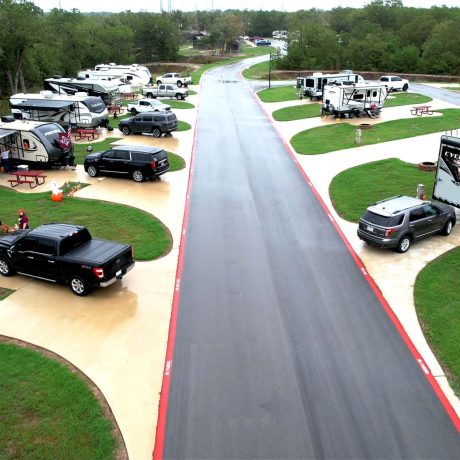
{"points": [[270, 71]]}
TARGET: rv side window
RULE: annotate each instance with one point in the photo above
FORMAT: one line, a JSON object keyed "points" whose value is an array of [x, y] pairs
{"points": [[357, 97], [374, 94]]}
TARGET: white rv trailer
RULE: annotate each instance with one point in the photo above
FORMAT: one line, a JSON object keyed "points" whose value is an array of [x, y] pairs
{"points": [[133, 74], [79, 110], [123, 86], [105, 89], [35, 143], [353, 100], [312, 86]]}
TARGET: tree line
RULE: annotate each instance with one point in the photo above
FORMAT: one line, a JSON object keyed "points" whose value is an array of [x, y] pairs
{"points": [[382, 36]]}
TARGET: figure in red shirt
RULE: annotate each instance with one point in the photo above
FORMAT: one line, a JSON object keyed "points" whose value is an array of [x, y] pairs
{"points": [[23, 221]]}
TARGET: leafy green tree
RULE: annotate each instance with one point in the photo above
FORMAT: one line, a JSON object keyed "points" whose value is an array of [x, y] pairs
{"points": [[225, 30]]}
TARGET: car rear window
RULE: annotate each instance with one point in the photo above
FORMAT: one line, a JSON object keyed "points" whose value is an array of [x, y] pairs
{"points": [[383, 221]]}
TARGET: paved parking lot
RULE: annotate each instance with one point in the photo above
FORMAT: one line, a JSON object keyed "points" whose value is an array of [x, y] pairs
{"points": [[117, 336]]}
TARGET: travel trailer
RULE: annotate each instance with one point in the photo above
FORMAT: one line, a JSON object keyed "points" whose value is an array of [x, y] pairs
{"points": [[353, 100], [79, 110], [36, 144], [312, 86], [447, 182], [133, 74], [105, 89]]}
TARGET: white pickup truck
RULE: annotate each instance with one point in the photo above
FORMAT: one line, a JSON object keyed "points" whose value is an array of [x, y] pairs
{"points": [[175, 79], [394, 83], [165, 91], [147, 105]]}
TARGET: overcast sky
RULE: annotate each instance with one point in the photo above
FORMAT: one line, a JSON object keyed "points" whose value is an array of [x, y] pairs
{"points": [[192, 5]]}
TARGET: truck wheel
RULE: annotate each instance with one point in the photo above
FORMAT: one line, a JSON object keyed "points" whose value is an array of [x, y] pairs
{"points": [[149, 95], [156, 132], [179, 96], [405, 87], [5, 267], [79, 285], [158, 82], [133, 111], [125, 131], [137, 175], [179, 84], [92, 171]]}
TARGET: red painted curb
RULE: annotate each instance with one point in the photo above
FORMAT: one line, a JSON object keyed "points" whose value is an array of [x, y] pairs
{"points": [[415, 353], [164, 397]]}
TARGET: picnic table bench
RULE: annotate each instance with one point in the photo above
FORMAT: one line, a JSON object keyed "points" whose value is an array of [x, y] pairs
{"points": [[86, 133], [421, 109], [115, 109], [129, 95], [32, 177]]}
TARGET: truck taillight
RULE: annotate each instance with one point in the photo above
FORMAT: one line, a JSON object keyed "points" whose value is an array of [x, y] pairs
{"points": [[389, 231], [98, 272], [153, 164]]}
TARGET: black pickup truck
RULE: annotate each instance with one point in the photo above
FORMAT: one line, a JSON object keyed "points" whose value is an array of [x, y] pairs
{"points": [[65, 253]]}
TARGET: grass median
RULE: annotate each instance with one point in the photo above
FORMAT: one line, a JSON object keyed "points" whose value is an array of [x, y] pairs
{"points": [[297, 112], [48, 412], [342, 136], [279, 94], [111, 221]]}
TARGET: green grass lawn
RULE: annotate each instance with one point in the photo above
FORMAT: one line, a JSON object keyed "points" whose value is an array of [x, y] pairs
{"points": [[297, 112], [111, 221], [279, 94], [342, 136], [180, 104], [48, 412], [398, 99], [354, 189], [183, 126], [438, 309]]}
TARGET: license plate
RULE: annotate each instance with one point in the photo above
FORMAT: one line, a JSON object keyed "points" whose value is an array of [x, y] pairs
{"points": [[371, 229]]}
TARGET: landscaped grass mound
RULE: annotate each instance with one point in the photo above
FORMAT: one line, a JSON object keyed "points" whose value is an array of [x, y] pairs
{"points": [[438, 309], [278, 94], [342, 136], [48, 412], [354, 189], [110, 221], [297, 112]]}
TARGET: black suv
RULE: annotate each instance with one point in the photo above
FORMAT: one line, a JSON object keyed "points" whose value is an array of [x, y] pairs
{"points": [[137, 161], [396, 222], [157, 123]]}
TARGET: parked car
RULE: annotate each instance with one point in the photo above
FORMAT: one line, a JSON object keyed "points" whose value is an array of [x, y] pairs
{"points": [[263, 42], [398, 221], [165, 91], [147, 105], [65, 253], [394, 83], [175, 79], [137, 161], [157, 123]]}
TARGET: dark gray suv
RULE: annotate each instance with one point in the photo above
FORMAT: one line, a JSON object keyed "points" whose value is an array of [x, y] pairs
{"points": [[157, 123], [398, 221]]}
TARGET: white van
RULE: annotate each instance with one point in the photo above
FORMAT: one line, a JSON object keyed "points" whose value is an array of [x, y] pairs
{"points": [[80, 110]]}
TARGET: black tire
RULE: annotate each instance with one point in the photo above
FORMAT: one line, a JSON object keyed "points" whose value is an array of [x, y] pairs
{"points": [[447, 229], [92, 171], [179, 96], [125, 131], [158, 82], [134, 111], [5, 267], [156, 132], [405, 87], [149, 95], [138, 175], [179, 84], [404, 244], [78, 285]]}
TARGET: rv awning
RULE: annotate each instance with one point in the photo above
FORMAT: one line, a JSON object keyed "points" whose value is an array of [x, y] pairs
{"points": [[6, 132], [32, 104]]}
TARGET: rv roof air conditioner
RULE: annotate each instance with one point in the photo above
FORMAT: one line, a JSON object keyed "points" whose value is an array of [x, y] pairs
{"points": [[47, 94], [317, 74], [112, 63], [57, 76]]}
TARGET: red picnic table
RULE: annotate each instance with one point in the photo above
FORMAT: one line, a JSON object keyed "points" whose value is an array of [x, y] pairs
{"points": [[32, 177]]}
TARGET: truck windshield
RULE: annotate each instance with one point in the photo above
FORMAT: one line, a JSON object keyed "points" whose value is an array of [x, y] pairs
{"points": [[74, 240]]}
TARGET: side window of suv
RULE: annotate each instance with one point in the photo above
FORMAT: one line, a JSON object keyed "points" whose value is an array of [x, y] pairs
{"points": [[147, 118], [121, 155], [416, 214], [430, 210], [158, 118], [139, 156]]}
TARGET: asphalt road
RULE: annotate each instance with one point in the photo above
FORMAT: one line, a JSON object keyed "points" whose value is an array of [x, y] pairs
{"points": [[282, 349]]}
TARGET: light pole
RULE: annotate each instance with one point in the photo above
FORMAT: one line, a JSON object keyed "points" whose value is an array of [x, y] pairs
{"points": [[270, 70]]}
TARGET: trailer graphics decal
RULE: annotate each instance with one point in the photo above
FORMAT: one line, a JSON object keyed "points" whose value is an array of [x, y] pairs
{"points": [[447, 182]]}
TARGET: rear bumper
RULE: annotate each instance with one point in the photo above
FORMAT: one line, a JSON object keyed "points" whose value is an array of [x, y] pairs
{"points": [[118, 276], [376, 241]]}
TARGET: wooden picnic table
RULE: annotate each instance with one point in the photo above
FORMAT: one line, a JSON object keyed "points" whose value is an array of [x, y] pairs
{"points": [[86, 133], [419, 110], [31, 177], [115, 109]]}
